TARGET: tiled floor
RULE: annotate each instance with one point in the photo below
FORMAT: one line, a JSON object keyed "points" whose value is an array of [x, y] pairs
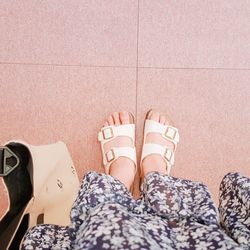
{"points": [[65, 65]]}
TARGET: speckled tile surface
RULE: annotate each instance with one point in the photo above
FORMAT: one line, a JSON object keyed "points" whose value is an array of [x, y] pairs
{"points": [[66, 65], [69, 32], [194, 34]]}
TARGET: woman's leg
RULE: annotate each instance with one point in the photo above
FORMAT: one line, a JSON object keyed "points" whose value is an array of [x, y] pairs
{"points": [[186, 207], [167, 194], [123, 168], [101, 188], [155, 162], [234, 207], [103, 216], [188, 211], [98, 189], [101, 212]]}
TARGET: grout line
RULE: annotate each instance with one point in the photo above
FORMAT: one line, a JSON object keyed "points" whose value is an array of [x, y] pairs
{"points": [[113, 66], [136, 85], [66, 65], [137, 57], [185, 68]]}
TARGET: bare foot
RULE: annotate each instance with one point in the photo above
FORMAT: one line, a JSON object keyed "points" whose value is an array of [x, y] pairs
{"points": [[155, 162], [123, 168]]}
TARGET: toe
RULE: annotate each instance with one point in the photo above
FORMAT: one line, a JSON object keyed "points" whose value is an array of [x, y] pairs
{"points": [[116, 118], [111, 120], [106, 124], [155, 116], [124, 117], [162, 119]]}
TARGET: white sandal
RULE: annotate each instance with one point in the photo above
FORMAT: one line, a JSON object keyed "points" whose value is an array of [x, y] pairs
{"points": [[109, 133], [169, 133]]}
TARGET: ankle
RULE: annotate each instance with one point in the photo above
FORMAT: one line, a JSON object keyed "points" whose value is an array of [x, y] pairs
{"points": [[153, 163], [123, 169]]}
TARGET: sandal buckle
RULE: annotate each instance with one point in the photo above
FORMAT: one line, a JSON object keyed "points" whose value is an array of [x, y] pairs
{"points": [[107, 133], [170, 133], [168, 155], [110, 155], [8, 161]]}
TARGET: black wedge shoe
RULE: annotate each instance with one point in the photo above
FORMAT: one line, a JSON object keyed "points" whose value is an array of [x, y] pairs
{"points": [[42, 184], [14, 159]]}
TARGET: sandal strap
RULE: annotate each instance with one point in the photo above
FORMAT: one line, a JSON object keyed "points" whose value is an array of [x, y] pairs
{"points": [[110, 132], [114, 153], [166, 153], [170, 133]]}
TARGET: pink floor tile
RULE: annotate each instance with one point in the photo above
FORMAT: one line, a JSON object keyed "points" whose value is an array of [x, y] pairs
{"points": [[200, 34], [44, 104], [69, 32], [211, 108]]}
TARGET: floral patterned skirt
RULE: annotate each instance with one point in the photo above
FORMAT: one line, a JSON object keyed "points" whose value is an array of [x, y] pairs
{"points": [[171, 214]]}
